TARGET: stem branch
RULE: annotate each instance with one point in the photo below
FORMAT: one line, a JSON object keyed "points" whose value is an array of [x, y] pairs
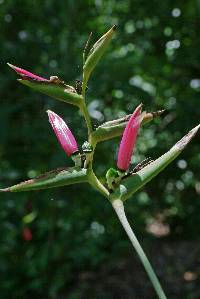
{"points": [[94, 181], [119, 209]]}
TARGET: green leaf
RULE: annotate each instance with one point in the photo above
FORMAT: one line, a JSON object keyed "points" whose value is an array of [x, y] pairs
{"points": [[116, 127], [131, 184], [51, 179], [96, 53], [59, 92]]}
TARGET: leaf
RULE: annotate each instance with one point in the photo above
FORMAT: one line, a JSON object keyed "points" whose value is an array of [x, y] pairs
{"points": [[51, 179], [128, 186], [116, 127], [58, 91], [96, 53]]}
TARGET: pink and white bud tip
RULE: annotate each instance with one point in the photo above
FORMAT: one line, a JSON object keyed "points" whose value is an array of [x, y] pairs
{"points": [[26, 74], [63, 133], [128, 140]]}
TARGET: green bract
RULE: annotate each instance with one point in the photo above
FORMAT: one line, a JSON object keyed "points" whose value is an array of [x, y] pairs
{"points": [[112, 129], [54, 178], [96, 53], [128, 186], [59, 92]]}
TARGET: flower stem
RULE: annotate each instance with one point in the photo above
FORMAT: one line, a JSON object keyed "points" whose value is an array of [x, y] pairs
{"points": [[86, 115], [95, 183], [119, 209]]}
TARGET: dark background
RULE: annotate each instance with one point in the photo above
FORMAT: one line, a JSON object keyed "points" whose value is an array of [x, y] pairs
{"points": [[67, 242]]}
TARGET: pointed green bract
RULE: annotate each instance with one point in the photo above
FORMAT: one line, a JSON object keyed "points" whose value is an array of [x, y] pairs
{"points": [[96, 53], [54, 178], [115, 128], [131, 184], [56, 91]]}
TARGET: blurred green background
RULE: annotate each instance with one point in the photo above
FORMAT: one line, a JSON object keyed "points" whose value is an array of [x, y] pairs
{"points": [[71, 245]]}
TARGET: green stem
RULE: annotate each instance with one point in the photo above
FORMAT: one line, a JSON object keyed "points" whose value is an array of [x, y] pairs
{"points": [[119, 209], [84, 84], [89, 157], [86, 115], [94, 181]]}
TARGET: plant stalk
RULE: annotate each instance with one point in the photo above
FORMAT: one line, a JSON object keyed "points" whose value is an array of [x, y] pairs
{"points": [[119, 209], [86, 115], [95, 183]]}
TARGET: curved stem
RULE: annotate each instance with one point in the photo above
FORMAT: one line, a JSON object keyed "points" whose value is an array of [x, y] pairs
{"points": [[119, 209], [94, 181]]}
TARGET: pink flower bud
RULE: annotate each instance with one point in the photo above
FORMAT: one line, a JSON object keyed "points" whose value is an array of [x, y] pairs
{"points": [[27, 234], [63, 133], [26, 74], [128, 139]]}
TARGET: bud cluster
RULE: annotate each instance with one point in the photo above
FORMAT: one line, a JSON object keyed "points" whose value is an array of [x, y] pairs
{"points": [[122, 183]]}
